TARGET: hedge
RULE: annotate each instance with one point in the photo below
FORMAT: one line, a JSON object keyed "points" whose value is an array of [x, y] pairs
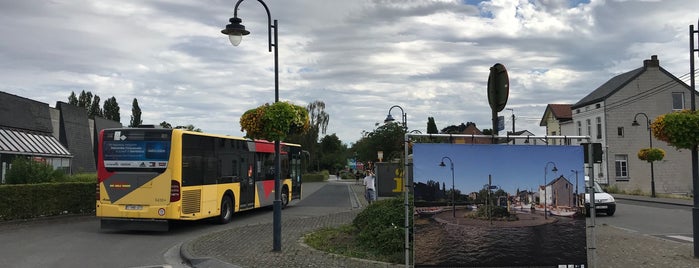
{"points": [[46, 199]]}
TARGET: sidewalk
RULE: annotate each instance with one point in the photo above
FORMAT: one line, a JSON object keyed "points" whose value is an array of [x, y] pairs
{"points": [[623, 248], [251, 246]]}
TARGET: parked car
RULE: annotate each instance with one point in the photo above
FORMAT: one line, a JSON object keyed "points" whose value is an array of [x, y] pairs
{"points": [[604, 202]]}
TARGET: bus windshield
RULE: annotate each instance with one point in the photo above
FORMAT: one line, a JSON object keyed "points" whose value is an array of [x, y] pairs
{"points": [[136, 150]]}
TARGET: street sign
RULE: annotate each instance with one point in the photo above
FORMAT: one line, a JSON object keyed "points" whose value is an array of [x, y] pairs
{"points": [[501, 123], [498, 87]]}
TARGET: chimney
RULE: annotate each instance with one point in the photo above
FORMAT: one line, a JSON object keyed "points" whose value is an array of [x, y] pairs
{"points": [[653, 62]]}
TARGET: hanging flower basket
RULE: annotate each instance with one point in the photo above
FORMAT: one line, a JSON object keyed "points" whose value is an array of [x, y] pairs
{"points": [[651, 154], [678, 129], [274, 121]]}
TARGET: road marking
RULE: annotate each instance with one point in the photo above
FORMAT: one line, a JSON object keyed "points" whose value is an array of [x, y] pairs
{"points": [[682, 237]]}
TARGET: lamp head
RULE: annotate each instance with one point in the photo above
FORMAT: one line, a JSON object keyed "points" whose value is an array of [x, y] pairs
{"points": [[235, 31], [441, 164], [389, 118], [554, 169], [635, 123]]}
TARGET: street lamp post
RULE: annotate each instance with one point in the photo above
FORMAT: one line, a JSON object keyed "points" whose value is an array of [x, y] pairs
{"points": [[576, 187], [389, 117], [650, 141], [453, 191], [235, 32], [695, 153], [554, 169], [513, 122]]}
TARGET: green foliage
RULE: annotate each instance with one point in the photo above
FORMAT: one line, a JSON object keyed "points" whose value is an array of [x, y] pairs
{"points": [[274, 122], [135, 114], [46, 199], [678, 129], [26, 171], [380, 226], [82, 177], [431, 126], [496, 213], [111, 109], [72, 99], [95, 109], [651, 154], [387, 138], [314, 177], [85, 99]]}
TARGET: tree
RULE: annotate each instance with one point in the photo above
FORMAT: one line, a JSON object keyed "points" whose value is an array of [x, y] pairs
{"points": [[95, 109], [85, 99], [189, 127], [431, 126], [387, 138], [333, 154], [111, 109], [135, 114], [72, 99], [165, 125], [319, 118]]}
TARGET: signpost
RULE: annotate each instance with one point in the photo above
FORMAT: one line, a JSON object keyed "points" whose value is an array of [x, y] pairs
{"points": [[498, 92]]}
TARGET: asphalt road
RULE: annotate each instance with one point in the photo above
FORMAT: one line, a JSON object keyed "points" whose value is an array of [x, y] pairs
{"points": [[671, 222], [78, 242]]}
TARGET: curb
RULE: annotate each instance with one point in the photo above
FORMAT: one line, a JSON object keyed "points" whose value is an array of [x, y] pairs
{"points": [[653, 201], [192, 261]]}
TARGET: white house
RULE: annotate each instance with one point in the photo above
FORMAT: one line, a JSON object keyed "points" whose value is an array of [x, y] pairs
{"points": [[607, 114]]}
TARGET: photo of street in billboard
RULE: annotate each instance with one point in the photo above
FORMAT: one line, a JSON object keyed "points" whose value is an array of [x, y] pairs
{"points": [[482, 205]]}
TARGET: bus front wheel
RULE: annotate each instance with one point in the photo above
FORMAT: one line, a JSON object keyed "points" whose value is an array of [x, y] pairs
{"points": [[226, 210]]}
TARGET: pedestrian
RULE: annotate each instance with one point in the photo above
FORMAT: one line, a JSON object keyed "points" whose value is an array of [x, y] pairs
{"points": [[370, 187]]}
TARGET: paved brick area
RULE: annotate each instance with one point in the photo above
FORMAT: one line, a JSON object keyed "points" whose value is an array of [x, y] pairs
{"points": [[224, 248]]}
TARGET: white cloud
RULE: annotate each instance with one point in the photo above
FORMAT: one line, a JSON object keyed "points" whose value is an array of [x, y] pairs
{"points": [[360, 57]]}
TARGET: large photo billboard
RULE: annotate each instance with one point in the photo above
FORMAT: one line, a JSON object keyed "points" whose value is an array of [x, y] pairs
{"points": [[480, 205]]}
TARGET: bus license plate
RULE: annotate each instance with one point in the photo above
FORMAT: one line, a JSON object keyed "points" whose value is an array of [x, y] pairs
{"points": [[602, 207], [134, 207]]}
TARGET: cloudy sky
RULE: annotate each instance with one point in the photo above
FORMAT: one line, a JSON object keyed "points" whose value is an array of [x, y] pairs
{"points": [[360, 57]]}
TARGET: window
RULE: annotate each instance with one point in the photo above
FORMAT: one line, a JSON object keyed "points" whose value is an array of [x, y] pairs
{"points": [[597, 106], [677, 100], [621, 166], [577, 111], [620, 131], [589, 127], [599, 127]]}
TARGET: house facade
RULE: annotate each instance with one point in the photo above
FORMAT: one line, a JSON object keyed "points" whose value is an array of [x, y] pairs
{"points": [[606, 116], [558, 121]]}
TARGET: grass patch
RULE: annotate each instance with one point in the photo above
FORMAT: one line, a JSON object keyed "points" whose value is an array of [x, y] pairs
{"points": [[343, 241]]}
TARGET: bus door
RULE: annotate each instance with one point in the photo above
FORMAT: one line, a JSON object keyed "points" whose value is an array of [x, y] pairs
{"points": [[247, 182], [295, 158]]}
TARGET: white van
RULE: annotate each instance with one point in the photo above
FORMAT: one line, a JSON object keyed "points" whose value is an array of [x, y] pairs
{"points": [[604, 202]]}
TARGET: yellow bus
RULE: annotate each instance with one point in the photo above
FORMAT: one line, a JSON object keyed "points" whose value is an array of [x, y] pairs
{"points": [[150, 176]]}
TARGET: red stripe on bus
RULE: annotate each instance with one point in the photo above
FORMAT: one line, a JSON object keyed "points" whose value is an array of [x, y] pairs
{"points": [[268, 187]]}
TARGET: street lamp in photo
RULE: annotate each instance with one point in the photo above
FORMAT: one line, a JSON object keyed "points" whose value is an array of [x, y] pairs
{"points": [[235, 31], [554, 169], [453, 191], [404, 116], [650, 141]]}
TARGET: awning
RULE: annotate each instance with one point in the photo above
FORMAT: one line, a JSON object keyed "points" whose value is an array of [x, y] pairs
{"points": [[13, 141]]}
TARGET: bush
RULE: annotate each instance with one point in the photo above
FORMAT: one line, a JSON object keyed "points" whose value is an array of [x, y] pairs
{"points": [[83, 177], [380, 226], [496, 212], [313, 177], [46, 199], [27, 171]]}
